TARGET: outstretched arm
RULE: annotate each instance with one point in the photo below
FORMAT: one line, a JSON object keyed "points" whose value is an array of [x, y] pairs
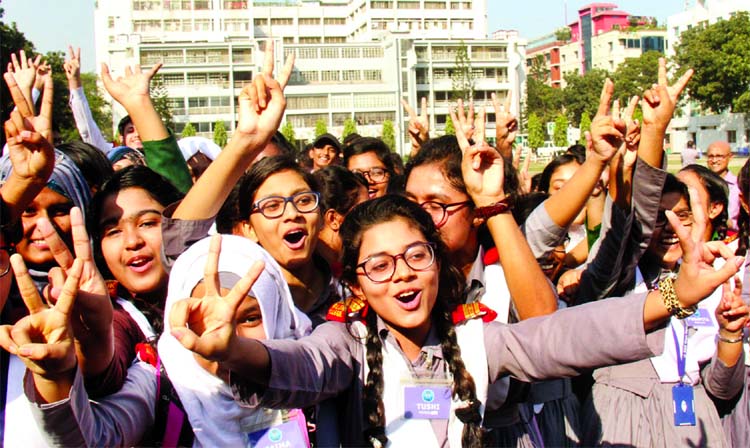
{"points": [[483, 171], [79, 105], [159, 146], [261, 106]]}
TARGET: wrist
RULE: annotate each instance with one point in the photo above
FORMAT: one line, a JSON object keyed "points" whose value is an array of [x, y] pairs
{"points": [[729, 334], [489, 210]]}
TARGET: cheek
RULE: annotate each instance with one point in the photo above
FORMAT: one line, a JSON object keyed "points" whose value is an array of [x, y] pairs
{"points": [[252, 332], [63, 224], [111, 249]]}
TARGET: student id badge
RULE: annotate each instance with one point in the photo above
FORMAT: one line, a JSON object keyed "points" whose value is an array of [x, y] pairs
{"points": [[684, 405], [291, 431], [428, 399], [700, 319]]}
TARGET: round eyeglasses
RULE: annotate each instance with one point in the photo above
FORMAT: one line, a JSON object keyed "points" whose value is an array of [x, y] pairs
{"points": [[380, 268], [440, 212], [274, 206], [375, 175]]}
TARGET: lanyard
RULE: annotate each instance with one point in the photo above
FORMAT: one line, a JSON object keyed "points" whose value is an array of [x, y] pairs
{"points": [[681, 354]]}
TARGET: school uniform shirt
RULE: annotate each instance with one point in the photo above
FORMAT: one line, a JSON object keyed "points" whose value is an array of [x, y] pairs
{"points": [[331, 360]]}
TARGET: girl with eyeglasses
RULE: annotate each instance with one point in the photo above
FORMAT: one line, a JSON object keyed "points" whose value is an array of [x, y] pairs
{"points": [[371, 158]]}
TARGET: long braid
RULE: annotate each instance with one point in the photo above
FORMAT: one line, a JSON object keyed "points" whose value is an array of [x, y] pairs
{"points": [[463, 384], [372, 400]]}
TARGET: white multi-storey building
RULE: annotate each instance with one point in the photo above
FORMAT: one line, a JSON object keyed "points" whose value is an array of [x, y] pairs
{"points": [[692, 124], [354, 58]]}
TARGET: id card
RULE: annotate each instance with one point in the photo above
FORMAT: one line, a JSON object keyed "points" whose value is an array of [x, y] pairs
{"points": [[431, 401], [684, 405], [700, 319], [291, 433]]}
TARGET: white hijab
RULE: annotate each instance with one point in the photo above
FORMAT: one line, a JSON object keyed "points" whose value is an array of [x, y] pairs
{"points": [[218, 420]]}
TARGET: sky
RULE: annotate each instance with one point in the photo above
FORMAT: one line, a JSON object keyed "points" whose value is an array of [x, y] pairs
{"points": [[53, 24]]}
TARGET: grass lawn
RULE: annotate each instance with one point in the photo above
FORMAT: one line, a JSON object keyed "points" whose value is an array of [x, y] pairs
{"points": [[673, 165]]}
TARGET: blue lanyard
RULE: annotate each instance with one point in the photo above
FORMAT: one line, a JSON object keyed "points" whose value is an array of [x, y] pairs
{"points": [[681, 354]]}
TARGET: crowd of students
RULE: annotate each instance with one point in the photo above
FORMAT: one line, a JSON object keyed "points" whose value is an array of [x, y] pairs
{"points": [[176, 293]]}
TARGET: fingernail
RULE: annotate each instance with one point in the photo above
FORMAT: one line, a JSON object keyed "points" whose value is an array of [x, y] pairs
{"points": [[738, 261], [24, 351], [25, 134]]}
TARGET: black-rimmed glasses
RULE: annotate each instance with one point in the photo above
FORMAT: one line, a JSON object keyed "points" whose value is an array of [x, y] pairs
{"points": [[380, 268], [375, 175], [273, 207]]}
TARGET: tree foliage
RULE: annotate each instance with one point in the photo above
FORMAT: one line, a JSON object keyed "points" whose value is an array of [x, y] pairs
{"points": [[462, 76], [160, 98], [220, 134], [635, 75], [449, 128], [584, 126], [535, 129], [560, 136], [288, 132], [582, 93], [188, 131], [321, 127], [350, 127], [720, 55], [388, 134], [543, 100], [563, 34]]}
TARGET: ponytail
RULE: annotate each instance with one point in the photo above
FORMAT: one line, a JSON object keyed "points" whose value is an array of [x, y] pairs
{"points": [[372, 396]]}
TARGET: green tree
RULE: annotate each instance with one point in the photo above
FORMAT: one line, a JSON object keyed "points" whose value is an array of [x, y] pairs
{"points": [[388, 134], [563, 34], [160, 98], [720, 55], [582, 93], [635, 75], [321, 127], [188, 131], [220, 134], [462, 75], [560, 136], [543, 100], [584, 126], [350, 127], [288, 132], [11, 41], [449, 129], [535, 129]]}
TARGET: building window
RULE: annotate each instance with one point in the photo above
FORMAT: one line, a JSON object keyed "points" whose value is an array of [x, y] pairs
{"points": [[329, 53], [306, 120], [201, 4], [281, 21], [381, 5], [373, 75], [307, 102], [173, 79], [147, 5], [235, 4], [236, 25], [242, 55], [334, 21], [406, 4], [372, 52], [732, 136], [351, 75], [329, 75], [308, 53], [309, 40], [373, 118], [434, 5], [309, 21], [203, 25], [196, 56], [260, 22], [146, 26], [335, 40]]}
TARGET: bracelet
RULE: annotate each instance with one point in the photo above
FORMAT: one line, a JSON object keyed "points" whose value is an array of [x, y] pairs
{"points": [[491, 210], [668, 294], [730, 341]]}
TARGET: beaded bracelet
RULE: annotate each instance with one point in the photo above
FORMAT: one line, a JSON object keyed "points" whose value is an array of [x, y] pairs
{"points": [[730, 341], [668, 294]]}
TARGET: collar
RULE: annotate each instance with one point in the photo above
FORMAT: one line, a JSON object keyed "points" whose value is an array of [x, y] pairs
{"points": [[430, 348]]}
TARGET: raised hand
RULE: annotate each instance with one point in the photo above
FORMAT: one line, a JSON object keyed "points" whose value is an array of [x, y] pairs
{"points": [[732, 312], [607, 129], [28, 136], [132, 88], [262, 102], [697, 278], [506, 125], [206, 325], [43, 72], [464, 119], [24, 71], [660, 100], [419, 125], [43, 339], [621, 167], [482, 166], [93, 307], [72, 68]]}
